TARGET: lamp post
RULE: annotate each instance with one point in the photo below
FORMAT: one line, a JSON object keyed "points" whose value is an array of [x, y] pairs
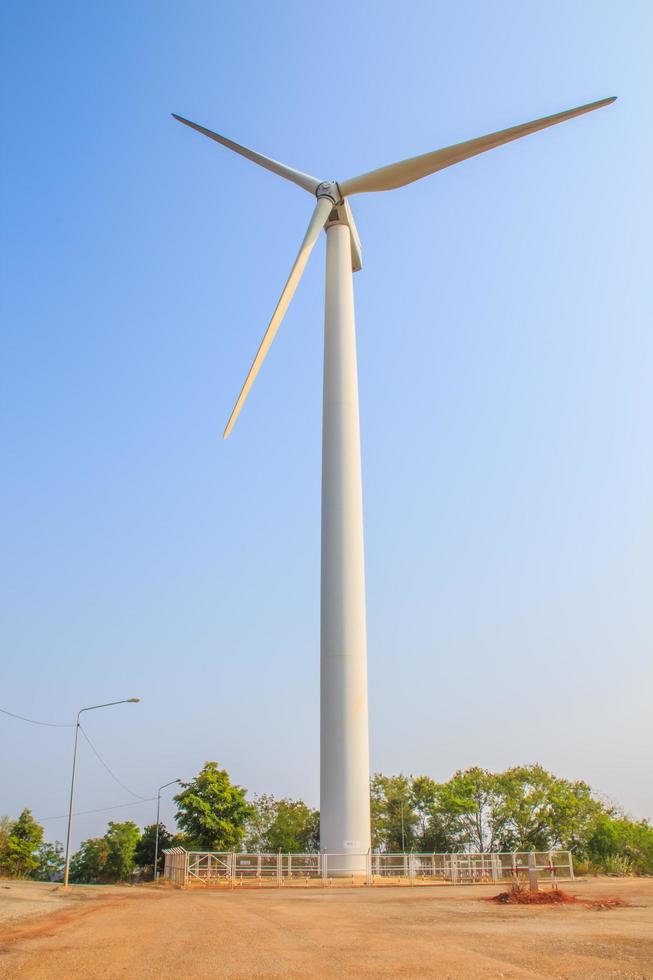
{"points": [[156, 837], [72, 782]]}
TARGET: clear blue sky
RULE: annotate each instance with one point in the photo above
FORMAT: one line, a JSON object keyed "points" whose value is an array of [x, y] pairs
{"points": [[505, 359]]}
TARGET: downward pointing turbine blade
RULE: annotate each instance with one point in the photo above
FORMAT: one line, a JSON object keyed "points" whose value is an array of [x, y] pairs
{"points": [[304, 180], [405, 172], [320, 214]]}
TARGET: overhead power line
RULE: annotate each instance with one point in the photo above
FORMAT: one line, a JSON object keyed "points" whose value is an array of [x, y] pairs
{"points": [[32, 721], [110, 771], [102, 809]]}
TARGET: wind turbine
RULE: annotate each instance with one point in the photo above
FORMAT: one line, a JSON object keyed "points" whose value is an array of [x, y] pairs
{"points": [[344, 749]]}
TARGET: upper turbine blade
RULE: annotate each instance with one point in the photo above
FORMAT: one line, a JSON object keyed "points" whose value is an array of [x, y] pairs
{"points": [[405, 172], [304, 180], [318, 220]]}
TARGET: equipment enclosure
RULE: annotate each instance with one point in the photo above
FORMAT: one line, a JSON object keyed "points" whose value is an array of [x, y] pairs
{"points": [[235, 869]]}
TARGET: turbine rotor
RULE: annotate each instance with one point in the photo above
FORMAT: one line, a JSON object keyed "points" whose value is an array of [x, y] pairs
{"points": [[332, 206]]}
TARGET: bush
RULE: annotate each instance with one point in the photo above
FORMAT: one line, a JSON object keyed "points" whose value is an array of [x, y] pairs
{"points": [[618, 864]]}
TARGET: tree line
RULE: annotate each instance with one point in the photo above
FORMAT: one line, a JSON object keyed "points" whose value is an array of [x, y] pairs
{"points": [[524, 808]]}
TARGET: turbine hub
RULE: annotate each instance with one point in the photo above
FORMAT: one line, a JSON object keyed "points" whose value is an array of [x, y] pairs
{"points": [[330, 189]]}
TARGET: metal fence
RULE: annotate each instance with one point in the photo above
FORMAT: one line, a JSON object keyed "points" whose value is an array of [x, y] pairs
{"points": [[236, 869], [176, 865]]}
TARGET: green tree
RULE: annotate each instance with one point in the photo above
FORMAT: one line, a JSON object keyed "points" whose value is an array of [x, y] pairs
{"points": [[436, 828], [523, 808], [89, 863], [539, 811], [296, 828], [22, 838], [108, 858], [261, 817], [213, 812], [469, 807], [615, 836], [286, 825], [394, 819], [5, 830], [145, 848], [122, 839], [50, 858]]}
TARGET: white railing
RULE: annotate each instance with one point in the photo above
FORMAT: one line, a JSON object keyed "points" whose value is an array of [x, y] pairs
{"points": [[233, 868]]}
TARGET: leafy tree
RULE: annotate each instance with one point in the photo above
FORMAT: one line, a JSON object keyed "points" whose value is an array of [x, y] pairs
{"points": [[50, 858], [286, 825], [261, 817], [539, 811], [21, 839], [523, 808], [436, 828], [394, 819], [89, 863], [122, 839], [108, 858], [636, 840], [212, 811], [5, 830], [423, 796], [145, 848], [296, 828], [614, 836], [469, 804]]}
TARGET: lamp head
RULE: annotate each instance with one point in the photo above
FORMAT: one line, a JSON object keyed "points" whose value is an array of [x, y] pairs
{"points": [[133, 700]]}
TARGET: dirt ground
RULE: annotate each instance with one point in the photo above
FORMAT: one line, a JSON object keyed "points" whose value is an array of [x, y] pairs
{"points": [[148, 932]]}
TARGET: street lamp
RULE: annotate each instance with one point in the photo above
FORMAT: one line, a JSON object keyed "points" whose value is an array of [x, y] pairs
{"points": [[72, 782], [156, 837]]}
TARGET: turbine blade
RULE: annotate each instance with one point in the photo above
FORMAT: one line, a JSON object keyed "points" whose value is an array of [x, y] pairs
{"points": [[304, 180], [405, 172], [322, 210]]}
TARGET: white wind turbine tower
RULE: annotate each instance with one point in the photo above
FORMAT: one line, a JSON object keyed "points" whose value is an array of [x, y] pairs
{"points": [[344, 750]]}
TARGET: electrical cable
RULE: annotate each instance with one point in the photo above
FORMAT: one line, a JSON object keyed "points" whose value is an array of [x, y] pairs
{"points": [[102, 809], [118, 806], [32, 721], [111, 773]]}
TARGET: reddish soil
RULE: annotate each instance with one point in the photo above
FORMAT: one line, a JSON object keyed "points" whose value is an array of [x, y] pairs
{"points": [[555, 896], [443, 932]]}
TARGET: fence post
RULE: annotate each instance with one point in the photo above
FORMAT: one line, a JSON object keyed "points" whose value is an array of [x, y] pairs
{"points": [[532, 872], [324, 866], [571, 864]]}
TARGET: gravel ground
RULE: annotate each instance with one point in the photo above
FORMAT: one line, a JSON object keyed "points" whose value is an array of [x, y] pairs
{"points": [[147, 932]]}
